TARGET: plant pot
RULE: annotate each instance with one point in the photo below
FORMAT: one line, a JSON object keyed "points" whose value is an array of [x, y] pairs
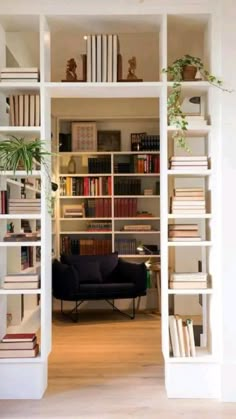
{"points": [[189, 72]]}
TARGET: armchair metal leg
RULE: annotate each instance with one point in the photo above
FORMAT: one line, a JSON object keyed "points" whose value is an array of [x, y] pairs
{"points": [[72, 314], [132, 316]]}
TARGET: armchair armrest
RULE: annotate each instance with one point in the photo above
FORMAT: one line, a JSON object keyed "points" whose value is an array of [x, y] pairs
{"points": [[65, 280], [133, 272]]}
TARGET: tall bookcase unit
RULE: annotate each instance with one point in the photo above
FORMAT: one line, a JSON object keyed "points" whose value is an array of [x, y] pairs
{"points": [[169, 36], [25, 310]]}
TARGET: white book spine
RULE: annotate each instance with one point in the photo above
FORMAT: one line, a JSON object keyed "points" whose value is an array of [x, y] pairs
{"points": [[191, 337], [109, 55], [174, 336], [37, 110], [16, 104], [89, 58], [180, 335], [94, 61], [114, 61], [32, 111], [21, 110], [26, 110], [104, 58], [99, 58]]}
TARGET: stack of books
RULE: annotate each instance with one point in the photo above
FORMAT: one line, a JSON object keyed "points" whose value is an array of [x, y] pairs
{"points": [[21, 281], [188, 201], [17, 74], [137, 227], [24, 110], [102, 55], [183, 232], [22, 237], [195, 121], [24, 206], [74, 211], [19, 345], [188, 163], [188, 280], [182, 342]]}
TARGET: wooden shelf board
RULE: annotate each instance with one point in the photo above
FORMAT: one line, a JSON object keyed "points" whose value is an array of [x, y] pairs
{"points": [[20, 216], [19, 291], [85, 219], [195, 172], [85, 232], [104, 90], [190, 244], [137, 218], [102, 153], [85, 196], [20, 244], [137, 232], [140, 256], [9, 130], [137, 174], [200, 216], [85, 175], [137, 196], [190, 291], [21, 173]]}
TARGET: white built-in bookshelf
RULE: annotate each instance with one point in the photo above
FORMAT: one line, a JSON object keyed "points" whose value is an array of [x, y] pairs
{"points": [[128, 107]]}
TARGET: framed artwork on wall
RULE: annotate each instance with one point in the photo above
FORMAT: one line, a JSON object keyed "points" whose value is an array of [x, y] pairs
{"points": [[109, 140], [84, 136]]}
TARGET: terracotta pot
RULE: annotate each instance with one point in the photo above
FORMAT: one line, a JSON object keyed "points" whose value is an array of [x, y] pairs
{"points": [[189, 72]]}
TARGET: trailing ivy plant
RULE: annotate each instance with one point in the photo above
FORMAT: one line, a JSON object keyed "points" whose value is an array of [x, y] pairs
{"points": [[176, 117]]}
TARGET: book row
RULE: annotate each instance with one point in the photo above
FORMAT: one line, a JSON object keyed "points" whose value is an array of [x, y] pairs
{"points": [[24, 110], [102, 51], [144, 142], [21, 281], [142, 163], [85, 246], [87, 186], [188, 280], [182, 341], [188, 162], [183, 232], [99, 165]]}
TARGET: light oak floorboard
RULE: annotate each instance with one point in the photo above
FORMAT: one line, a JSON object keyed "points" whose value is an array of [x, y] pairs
{"points": [[110, 367]]}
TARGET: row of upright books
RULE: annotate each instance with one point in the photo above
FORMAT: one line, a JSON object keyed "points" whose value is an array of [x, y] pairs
{"points": [[144, 142], [125, 207], [19, 74], [182, 341], [27, 257], [99, 165], [19, 345], [188, 280], [87, 186], [25, 110], [189, 163], [183, 232], [141, 163], [126, 246], [21, 281], [99, 226], [69, 245], [100, 208], [188, 201], [102, 58]]}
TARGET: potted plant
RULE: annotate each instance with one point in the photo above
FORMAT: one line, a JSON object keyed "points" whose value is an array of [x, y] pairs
{"points": [[185, 69], [20, 154]]}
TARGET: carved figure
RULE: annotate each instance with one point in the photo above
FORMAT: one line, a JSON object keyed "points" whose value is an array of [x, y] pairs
{"points": [[71, 70], [131, 70]]}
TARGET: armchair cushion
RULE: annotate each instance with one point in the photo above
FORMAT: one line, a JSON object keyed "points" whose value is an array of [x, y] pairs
{"points": [[107, 263], [65, 279], [88, 272]]}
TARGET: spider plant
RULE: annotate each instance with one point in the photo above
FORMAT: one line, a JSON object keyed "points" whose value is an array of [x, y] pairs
{"points": [[17, 153]]}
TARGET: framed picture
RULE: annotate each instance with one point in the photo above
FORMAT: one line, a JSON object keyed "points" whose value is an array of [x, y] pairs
{"points": [[109, 140], [84, 136]]}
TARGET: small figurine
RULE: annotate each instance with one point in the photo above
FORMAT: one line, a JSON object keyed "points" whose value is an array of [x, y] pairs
{"points": [[71, 70], [132, 67], [10, 228]]}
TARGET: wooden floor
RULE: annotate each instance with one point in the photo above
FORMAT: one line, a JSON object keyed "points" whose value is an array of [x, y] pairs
{"points": [[109, 367]]}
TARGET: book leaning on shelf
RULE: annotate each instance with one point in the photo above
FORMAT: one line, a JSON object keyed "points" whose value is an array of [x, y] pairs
{"points": [[19, 345], [182, 342]]}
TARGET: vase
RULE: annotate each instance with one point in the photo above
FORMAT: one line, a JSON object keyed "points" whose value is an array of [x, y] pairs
{"points": [[72, 166], [189, 72]]}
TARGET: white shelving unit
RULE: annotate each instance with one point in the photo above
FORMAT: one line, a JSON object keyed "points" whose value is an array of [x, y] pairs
{"points": [[193, 377]]}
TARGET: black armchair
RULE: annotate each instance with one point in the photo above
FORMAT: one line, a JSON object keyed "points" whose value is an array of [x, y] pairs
{"points": [[80, 278]]}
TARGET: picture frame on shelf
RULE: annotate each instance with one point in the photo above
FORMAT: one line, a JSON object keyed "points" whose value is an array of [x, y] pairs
{"points": [[109, 140], [84, 136]]}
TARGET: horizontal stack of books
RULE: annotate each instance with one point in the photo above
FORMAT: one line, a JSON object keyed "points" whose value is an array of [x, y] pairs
{"points": [[102, 58], [19, 345], [195, 121], [24, 206], [22, 237], [74, 211], [137, 227], [18, 74], [188, 201], [21, 281], [182, 342], [99, 226], [24, 110], [188, 280], [189, 163], [183, 232]]}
